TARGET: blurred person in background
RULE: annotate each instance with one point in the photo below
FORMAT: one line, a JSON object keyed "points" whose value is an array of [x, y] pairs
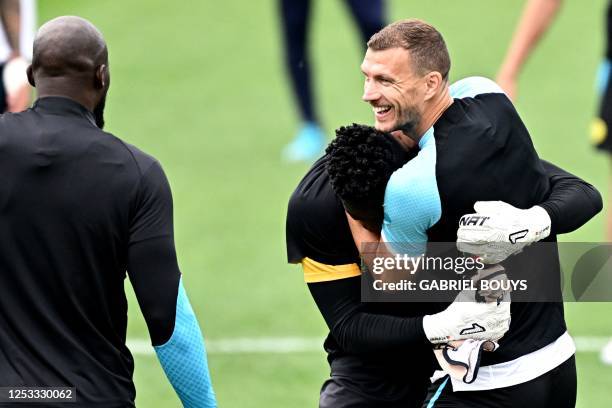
{"points": [[17, 18], [80, 209], [310, 139], [537, 17]]}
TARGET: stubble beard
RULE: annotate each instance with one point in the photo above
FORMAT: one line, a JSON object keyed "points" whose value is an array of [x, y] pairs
{"points": [[99, 112], [409, 124]]}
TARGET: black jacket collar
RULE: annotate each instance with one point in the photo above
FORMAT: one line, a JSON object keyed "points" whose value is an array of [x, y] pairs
{"points": [[60, 105]]}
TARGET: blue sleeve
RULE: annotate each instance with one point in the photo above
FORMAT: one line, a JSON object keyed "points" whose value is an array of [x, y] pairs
{"points": [[473, 86], [183, 358], [603, 76], [412, 202]]}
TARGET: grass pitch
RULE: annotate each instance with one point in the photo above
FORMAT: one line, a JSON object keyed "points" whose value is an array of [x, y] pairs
{"points": [[200, 85]]}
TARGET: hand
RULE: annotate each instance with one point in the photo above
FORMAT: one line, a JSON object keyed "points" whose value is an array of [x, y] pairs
{"points": [[492, 293], [498, 230], [466, 319], [461, 360], [406, 141]]}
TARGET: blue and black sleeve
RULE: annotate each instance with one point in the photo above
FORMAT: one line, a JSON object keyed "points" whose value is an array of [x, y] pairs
{"points": [[156, 278]]}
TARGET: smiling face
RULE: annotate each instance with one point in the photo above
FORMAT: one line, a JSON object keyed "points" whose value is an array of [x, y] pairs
{"points": [[394, 89]]}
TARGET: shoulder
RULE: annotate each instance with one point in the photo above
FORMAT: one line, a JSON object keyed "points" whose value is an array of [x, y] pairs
{"points": [[142, 161], [482, 100], [314, 192], [316, 225], [412, 205], [410, 178], [314, 207], [471, 87], [481, 112], [417, 174]]}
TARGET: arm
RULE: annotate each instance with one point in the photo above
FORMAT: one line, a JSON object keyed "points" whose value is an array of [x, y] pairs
{"points": [[334, 277], [371, 246], [11, 21], [537, 17], [155, 276], [357, 331], [361, 235], [411, 206], [18, 91], [572, 201]]}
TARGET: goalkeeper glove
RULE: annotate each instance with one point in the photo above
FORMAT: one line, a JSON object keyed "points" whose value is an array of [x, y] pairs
{"points": [[461, 360], [467, 318], [498, 230]]}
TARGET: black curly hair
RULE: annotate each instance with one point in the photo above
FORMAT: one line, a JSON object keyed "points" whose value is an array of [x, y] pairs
{"points": [[360, 162]]}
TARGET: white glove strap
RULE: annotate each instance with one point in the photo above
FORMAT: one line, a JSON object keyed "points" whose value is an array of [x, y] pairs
{"points": [[541, 222], [436, 328]]}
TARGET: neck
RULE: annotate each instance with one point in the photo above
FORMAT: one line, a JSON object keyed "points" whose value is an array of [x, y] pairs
{"points": [[437, 106], [71, 91]]}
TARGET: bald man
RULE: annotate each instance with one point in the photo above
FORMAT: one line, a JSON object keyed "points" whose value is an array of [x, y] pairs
{"points": [[79, 209]]}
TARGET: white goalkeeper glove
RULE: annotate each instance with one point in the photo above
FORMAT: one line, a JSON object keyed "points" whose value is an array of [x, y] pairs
{"points": [[498, 230], [466, 318], [461, 360]]}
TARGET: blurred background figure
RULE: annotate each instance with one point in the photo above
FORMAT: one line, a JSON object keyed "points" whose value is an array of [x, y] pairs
{"points": [[537, 17], [17, 18], [309, 141], [535, 21]]}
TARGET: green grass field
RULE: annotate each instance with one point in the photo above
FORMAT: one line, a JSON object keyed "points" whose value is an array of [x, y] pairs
{"points": [[200, 85]]}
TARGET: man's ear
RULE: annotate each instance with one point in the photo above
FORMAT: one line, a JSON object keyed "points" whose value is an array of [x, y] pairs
{"points": [[31, 76], [433, 81], [101, 80]]}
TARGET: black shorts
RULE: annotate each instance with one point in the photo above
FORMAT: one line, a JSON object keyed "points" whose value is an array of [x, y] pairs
{"points": [[555, 389], [341, 392]]}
